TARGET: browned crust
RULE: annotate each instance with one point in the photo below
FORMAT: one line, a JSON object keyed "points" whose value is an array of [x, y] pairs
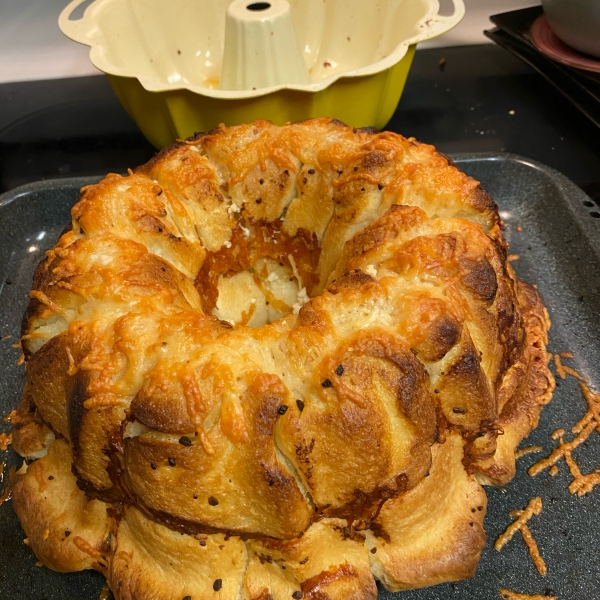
{"points": [[526, 388], [146, 424]]}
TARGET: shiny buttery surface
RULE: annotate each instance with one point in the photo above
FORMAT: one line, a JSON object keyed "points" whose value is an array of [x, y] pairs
{"points": [[566, 280]]}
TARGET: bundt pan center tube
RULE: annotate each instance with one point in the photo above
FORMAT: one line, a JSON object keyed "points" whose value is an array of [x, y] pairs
{"points": [[276, 362]]}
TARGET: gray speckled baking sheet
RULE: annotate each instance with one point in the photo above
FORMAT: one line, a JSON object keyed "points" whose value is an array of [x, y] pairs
{"points": [[559, 249]]}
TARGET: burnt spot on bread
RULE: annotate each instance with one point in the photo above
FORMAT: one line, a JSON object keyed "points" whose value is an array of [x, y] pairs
{"points": [[367, 505], [440, 337], [374, 161], [350, 532], [316, 586], [465, 395], [380, 532], [481, 279], [370, 130], [76, 410], [467, 364], [483, 201], [349, 281]]}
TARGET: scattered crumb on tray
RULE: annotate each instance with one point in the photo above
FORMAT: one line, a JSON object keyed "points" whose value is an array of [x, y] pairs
{"points": [[582, 483], [563, 370], [534, 507], [527, 450]]}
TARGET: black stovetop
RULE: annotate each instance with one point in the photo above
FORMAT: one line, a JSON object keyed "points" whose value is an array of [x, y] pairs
{"points": [[74, 127]]}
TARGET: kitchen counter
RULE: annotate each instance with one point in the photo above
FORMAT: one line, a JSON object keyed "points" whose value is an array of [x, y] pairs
{"points": [[462, 99]]}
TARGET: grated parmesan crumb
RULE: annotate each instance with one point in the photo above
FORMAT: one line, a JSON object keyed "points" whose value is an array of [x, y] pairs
{"points": [[303, 298], [233, 208], [523, 451], [534, 507], [371, 270]]}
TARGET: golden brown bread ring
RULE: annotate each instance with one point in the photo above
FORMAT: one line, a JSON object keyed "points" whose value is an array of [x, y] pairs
{"points": [[311, 424]]}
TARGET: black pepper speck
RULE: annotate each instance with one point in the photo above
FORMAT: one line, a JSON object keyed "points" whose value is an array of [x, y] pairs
{"points": [[327, 383], [340, 370], [300, 405], [217, 585], [282, 409], [213, 501], [172, 462], [184, 440]]}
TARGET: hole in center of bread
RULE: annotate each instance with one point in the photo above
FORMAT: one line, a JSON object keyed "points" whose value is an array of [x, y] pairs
{"points": [[260, 275]]}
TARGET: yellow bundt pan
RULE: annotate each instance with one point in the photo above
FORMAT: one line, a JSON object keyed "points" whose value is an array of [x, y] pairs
{"points": [[164, 61]]}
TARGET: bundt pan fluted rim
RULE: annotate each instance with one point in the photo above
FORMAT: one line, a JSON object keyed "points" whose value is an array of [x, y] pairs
{"points": [[145, 63]]}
